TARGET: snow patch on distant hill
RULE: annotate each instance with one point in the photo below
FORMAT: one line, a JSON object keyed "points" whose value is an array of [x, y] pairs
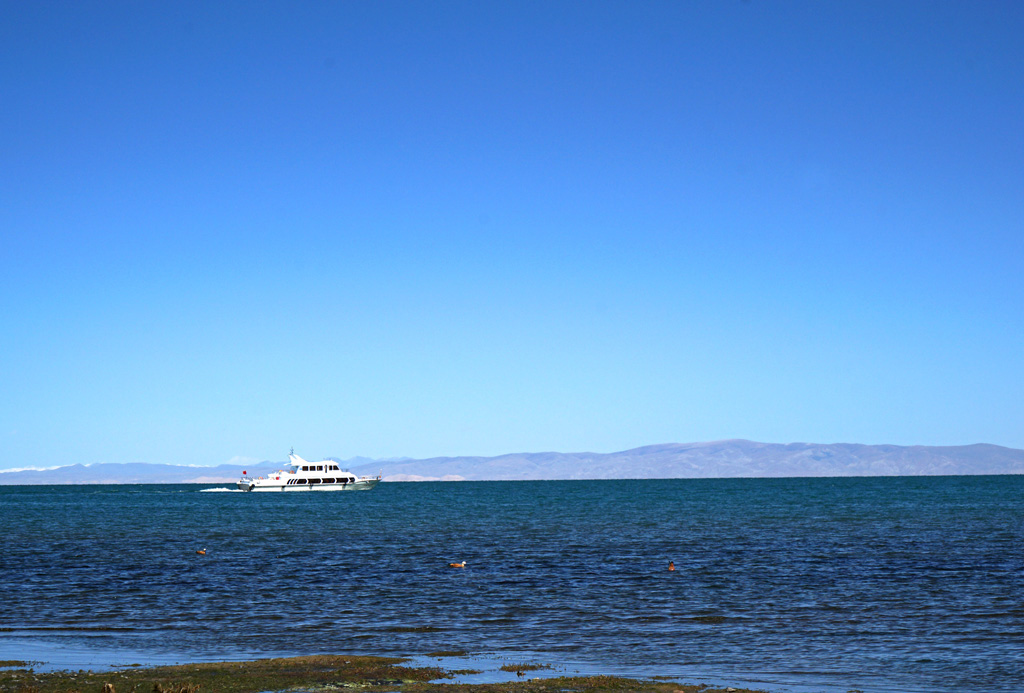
{"points": [[31, 469], [417, 477]]}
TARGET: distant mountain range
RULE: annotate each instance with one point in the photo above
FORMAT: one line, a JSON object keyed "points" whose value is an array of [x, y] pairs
{"points": [[718, 459]]}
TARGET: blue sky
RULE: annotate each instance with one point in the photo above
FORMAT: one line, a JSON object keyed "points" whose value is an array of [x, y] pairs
{"points": [[418, 229]]}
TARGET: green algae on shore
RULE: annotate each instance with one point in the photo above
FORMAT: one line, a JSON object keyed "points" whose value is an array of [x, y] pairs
{"points": [[315, 674], [294, 673]]}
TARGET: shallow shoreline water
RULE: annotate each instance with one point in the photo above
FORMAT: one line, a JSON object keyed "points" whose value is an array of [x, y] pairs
{"points": [[794, 584], [470, 668], [439, 673]]}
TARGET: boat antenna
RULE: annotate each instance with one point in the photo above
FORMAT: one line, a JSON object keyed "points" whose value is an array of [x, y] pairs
{"points": [[292, 452]]}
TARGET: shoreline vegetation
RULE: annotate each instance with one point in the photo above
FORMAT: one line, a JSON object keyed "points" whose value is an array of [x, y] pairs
{"points": [[318, 674]]}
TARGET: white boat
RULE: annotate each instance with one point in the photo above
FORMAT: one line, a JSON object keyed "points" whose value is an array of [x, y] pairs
{"points": [[309, 476]]}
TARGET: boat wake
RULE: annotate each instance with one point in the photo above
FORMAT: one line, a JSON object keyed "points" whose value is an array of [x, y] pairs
{"points": [[221, 490]]}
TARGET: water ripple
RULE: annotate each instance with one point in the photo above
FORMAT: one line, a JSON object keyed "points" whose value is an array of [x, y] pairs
{"points": [[805, 581]]}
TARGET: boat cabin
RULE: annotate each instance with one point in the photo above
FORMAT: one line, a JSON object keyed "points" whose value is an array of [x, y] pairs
{"points": [[317, 474]]}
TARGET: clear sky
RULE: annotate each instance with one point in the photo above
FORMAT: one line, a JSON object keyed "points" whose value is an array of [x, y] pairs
{"points": [[443, 228]]}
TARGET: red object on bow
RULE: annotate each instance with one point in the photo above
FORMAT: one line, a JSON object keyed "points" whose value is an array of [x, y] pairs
{"points": [[244, 472]]}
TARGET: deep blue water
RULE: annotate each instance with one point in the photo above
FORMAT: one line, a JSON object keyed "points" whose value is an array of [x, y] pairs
{"points": [[879, 584]]}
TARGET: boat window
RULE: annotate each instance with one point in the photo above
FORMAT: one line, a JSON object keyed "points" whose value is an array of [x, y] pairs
{"points": [[328, 481], [300, 481], [334, 467], [314, 481], [319, 467], [305, 468]]}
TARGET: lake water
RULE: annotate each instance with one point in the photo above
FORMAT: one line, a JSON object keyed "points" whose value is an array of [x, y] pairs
{"points": [[882, 584]]}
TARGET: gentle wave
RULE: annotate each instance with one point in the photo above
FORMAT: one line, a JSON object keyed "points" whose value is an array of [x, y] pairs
{"points": [[795, 582]]}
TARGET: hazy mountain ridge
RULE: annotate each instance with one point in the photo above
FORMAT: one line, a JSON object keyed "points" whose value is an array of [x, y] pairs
{"points": [[134, 473], [728, 458], [717, 459]]}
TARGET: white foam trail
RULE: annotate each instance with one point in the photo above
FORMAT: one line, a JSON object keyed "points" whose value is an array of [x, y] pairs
{"points": [[221, 490]]}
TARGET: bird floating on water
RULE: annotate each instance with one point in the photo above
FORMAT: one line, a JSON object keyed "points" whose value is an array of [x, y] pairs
{"points": [[457, 565]]}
